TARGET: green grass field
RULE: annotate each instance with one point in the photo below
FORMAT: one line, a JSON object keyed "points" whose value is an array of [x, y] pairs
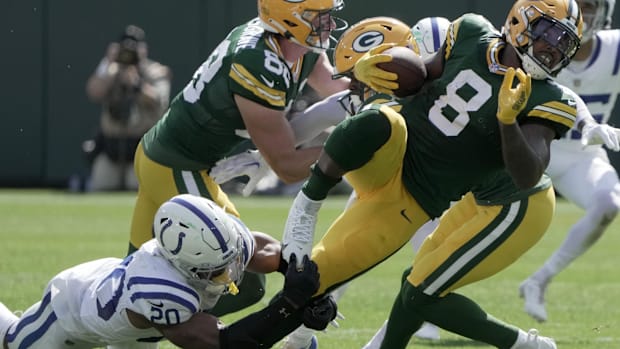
{"points": [[44, 232]]}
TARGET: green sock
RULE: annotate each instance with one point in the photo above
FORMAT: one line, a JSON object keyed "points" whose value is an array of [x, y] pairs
{"points": [[402, 322], [460, 315]]}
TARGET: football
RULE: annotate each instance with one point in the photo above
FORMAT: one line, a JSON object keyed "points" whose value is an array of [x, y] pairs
{"points": [[408, 66]]}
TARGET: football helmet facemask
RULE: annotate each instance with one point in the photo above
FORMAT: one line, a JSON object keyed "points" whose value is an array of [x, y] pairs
{"points": [[308, 23], [359, 39], [202, 242], [430, 33], [558, 23]]}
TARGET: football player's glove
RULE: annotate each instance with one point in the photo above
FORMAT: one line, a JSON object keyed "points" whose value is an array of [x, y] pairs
{"points": [[366, 70], [249, 163], [320, 312], [512, 100], [593, 133], [300, 283], [298, 234]]}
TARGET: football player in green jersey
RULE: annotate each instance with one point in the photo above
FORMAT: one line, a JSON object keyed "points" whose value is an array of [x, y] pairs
{"points": [[465, 128], [242, 91]]}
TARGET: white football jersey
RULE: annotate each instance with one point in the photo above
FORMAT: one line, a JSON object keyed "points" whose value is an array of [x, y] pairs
{"points": [[90, 299], [596, 80]]}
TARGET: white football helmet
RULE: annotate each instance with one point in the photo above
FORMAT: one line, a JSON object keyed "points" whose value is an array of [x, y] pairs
{"points": [[430, 33], [596, 16], [201, 241]]}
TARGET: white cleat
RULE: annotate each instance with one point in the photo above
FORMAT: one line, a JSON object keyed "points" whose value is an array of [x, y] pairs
{"points": [[428, 331], [291, 344], [531, 340], [533, 295]]}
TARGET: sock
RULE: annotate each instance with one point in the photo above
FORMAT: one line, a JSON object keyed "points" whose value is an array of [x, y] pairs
{"points": [[375, 341], [301, 337], [460, 315], [580, 237], [404, 320]]}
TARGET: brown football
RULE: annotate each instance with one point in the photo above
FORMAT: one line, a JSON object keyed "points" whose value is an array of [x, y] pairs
{"points": [[408, 66]]}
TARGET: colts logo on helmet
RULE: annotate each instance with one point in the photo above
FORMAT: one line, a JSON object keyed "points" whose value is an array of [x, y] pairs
{"points": [[368, 40], [181, 236], [179, 244]]}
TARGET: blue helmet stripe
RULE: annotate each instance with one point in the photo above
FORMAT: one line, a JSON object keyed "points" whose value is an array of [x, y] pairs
{"points": [[216, 232], [436, 39]]}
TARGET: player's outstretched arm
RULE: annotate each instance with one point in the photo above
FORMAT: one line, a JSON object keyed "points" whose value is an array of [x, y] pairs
{"points": [[257, 330]]}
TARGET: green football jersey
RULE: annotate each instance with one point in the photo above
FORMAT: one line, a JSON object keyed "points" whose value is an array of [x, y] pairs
{"points": [[203, 123], [454, 141]]}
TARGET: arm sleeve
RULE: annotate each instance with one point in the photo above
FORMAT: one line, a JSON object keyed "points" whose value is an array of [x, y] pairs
{"points": [[355, 140], [310, 122]]}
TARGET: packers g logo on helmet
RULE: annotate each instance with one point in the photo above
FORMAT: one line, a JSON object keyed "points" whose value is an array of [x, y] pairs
{"points": [[366, 41], [366, 34]]}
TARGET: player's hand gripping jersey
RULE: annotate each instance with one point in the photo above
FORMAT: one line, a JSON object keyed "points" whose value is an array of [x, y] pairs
{"points": [[454, 139], [204, 123]]}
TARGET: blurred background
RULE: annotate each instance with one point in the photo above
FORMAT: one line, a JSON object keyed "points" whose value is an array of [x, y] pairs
{"points": [[50, 48]]}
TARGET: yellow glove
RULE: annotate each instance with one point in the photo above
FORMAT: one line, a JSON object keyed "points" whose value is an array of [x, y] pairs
{"points": [[366, 70], [512, 100]]}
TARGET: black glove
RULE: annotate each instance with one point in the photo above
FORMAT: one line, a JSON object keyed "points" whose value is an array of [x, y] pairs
{"points": [[320, 312], [300, 285]]}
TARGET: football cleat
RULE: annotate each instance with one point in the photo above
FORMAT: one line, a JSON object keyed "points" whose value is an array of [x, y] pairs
{"points": [[532, 340], [290, 344], [533, 295], [428, 331]]}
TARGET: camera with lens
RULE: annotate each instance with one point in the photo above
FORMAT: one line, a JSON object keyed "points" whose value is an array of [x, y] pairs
{"points": [[128, 53], [128, 45]]}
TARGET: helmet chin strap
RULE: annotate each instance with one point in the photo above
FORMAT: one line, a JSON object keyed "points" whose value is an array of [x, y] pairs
{"points": [[531, 65]]}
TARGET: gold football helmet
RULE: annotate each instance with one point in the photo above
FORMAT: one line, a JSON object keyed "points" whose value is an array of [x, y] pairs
{"points": [[557, 22], [359, 39], [305, 22], [366, 34]]}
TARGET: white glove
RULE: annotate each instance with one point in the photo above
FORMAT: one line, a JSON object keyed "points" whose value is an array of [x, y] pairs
{"points": [[298, 236], [249, 163], [593, 133]]}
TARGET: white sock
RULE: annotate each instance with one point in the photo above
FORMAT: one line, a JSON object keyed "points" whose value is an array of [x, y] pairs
{"points": [[377, 339], [580, 237], [301, 336]]}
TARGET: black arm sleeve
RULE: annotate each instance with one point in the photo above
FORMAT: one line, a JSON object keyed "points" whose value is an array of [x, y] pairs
{"points": [[263, 328]]}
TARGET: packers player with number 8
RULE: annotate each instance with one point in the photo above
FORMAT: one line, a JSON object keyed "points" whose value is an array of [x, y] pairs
{"points": [[488, 108]]}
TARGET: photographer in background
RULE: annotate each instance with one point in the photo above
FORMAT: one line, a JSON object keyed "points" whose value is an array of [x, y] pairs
{"points": [[134, 92]]}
